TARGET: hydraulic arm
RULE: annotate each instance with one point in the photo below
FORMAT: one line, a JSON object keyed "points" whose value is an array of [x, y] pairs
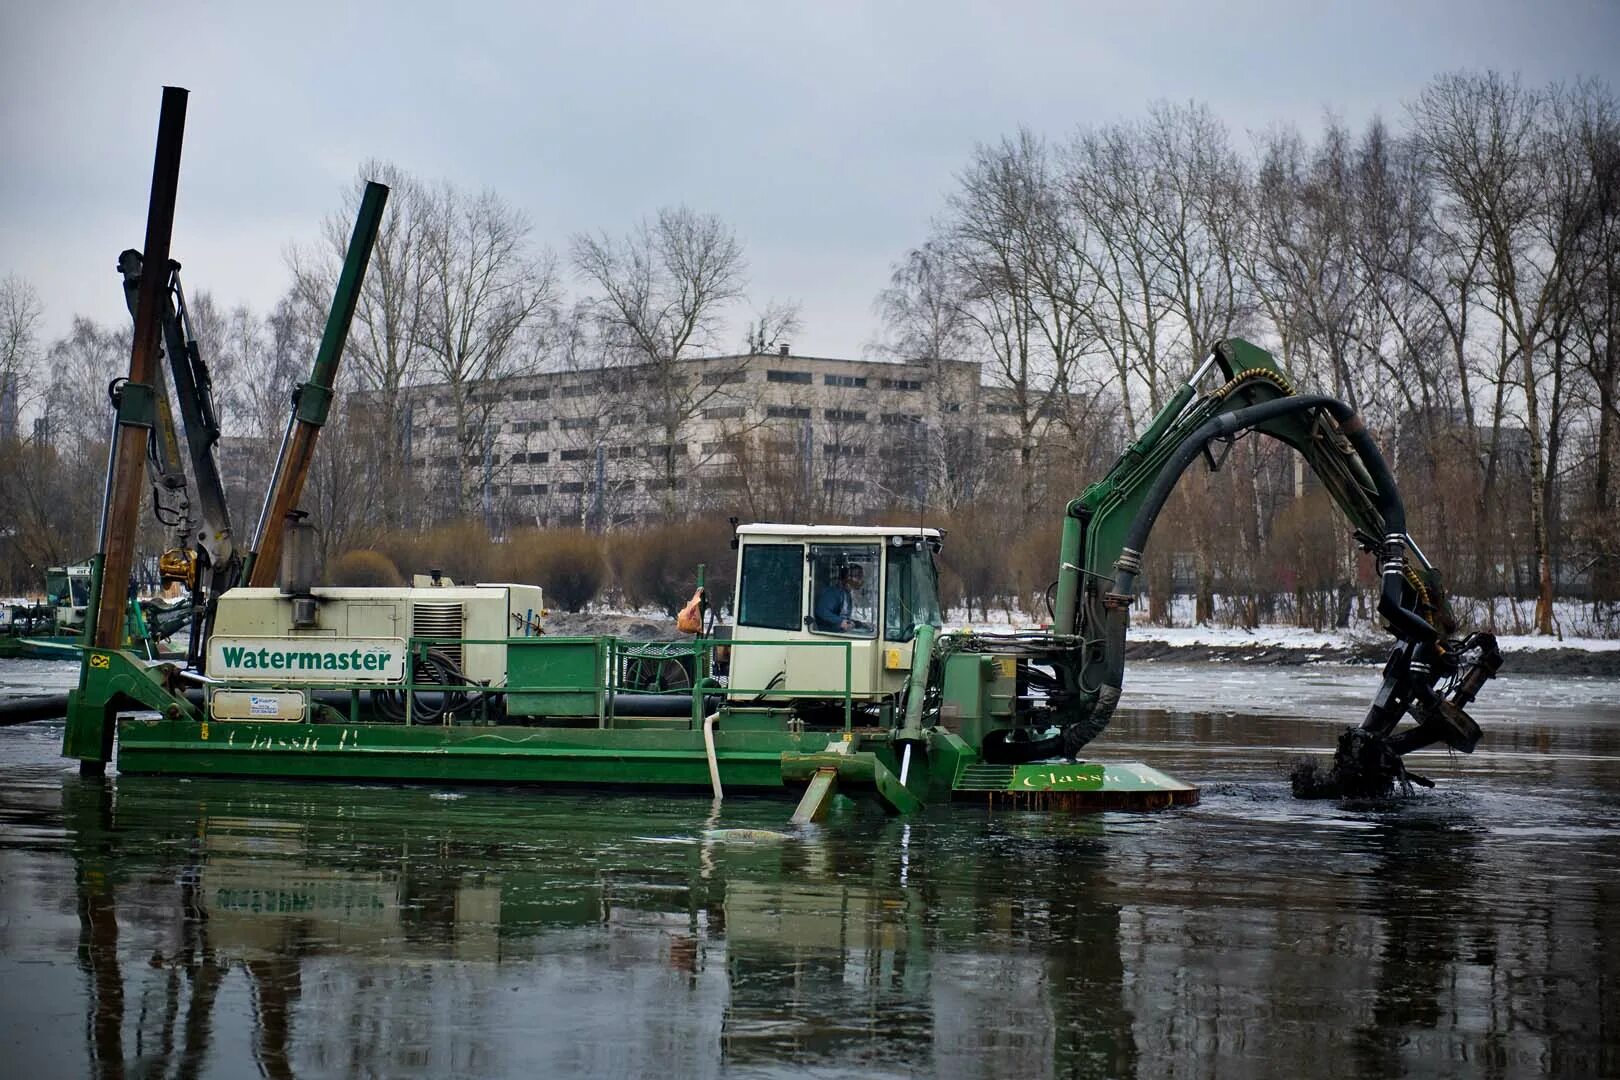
{"points": [[1431, 674], [204, 556]]}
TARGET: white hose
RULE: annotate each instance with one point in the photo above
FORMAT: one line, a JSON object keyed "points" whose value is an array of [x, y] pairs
{"points": [[905, 764], [708, 746]]}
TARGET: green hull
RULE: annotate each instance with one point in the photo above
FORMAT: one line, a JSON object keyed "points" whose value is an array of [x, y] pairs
{"points": [[757, 749], [40, 647], [748, 760]]}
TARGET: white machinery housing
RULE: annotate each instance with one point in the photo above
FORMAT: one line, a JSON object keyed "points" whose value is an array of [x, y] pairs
{"points": [[478, 612]]}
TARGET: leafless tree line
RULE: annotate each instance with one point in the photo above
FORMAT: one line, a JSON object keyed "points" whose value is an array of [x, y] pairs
{"points": [[459, 299], [1453, 277]]}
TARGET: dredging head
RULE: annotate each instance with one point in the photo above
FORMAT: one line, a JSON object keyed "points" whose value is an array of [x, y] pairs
{"points": [[1365, 766]]}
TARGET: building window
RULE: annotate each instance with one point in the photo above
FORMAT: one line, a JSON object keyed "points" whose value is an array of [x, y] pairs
{"points": [[578, 423], [575, 390], [857, 382], [725, 412], [525, 427], [902, 384], [998, 409], [854, 487], [578, 453], [803, 377], [529, 489], [533, 457], [726, 378], [787, 412], [845, 416], [839, 450], [659, 451], [899, 419]]}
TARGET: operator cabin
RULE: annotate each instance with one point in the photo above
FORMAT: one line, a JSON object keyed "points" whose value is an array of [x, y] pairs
{"points": [[859, 591]]}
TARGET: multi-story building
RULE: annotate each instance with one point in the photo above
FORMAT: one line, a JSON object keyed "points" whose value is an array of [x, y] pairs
{"points": [[769, 435]]}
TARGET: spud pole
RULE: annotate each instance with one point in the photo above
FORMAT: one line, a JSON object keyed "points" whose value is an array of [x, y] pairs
{"points": [[312, 401], [135, 400]]}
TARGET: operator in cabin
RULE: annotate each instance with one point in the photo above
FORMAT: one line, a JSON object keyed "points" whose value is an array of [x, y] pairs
{"points": [[835, 604]]}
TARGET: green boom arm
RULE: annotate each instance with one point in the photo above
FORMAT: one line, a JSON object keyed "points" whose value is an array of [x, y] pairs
{"points": [[1429, 675]]}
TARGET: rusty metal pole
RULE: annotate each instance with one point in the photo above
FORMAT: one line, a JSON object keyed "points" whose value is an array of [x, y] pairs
{"points": [[313, 399], [137, 397]]}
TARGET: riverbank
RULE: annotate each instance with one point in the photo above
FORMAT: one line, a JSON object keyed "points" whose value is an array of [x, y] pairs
{"points": [[1517, 660], [1280, 646]]}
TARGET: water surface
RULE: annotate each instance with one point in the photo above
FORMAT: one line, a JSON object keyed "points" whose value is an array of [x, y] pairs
{"points": [[212, 928]]}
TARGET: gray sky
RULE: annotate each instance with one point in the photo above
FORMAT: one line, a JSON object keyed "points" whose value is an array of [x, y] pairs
{"points": [[826, 134]]}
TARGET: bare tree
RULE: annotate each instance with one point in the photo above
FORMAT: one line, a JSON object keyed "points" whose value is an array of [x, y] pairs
{"points": [[1021, 287], [386, 349], [20, 312], [922, 311], [660, 296], [1495, 150], [485, 293]]}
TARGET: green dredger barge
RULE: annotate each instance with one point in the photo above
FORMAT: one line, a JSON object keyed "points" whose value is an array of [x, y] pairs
{"points": [[835, 676], [449, 684]]}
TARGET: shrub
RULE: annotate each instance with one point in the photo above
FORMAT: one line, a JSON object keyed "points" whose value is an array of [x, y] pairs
{"points": [[364, 568], [566, 563], [657, 566], [462, 551]]}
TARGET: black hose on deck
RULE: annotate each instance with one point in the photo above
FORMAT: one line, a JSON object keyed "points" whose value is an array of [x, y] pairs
{"points": [[27, 710]]}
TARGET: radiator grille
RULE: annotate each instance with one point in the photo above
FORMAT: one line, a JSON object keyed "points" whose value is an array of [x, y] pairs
{"points": [[439, 621]]}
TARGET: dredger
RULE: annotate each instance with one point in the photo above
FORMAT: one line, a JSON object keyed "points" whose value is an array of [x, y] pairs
{"points": [[834, 676]]}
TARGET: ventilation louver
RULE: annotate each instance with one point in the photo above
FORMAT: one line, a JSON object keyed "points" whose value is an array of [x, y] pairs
{"points": [[439, 621]]}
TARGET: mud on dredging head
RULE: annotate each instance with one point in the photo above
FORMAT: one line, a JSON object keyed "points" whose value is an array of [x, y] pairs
{"points": [[1364, 767]]}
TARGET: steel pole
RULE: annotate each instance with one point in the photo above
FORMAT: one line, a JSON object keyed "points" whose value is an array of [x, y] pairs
{"points": [[124, 497], [314, 398]]}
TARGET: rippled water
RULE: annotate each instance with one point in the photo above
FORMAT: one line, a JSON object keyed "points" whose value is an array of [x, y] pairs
{"points": [[156, 927]]}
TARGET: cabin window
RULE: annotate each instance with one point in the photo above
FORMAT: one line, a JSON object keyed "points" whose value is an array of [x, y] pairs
{"points": [[844, 580], [913, 596], [772, 586]]}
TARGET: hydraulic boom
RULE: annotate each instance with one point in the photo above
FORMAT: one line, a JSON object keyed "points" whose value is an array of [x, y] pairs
{"points": [[1078, 668]]}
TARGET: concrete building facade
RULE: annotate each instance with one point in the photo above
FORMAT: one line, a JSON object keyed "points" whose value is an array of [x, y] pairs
{"points": [[767, 435]]}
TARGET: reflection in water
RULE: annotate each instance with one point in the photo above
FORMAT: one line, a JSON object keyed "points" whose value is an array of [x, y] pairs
{"points": [[329, 929]]}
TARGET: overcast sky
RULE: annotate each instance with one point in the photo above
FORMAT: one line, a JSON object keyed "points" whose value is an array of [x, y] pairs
{"points": [[826, 134]]}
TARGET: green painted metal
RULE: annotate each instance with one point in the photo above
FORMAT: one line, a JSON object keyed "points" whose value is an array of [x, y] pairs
{"points": [[110, 682], [1073, 785], [561, 676], [1059, 777], [758, 748], [864, 769], [508, 754], [922, 659]]}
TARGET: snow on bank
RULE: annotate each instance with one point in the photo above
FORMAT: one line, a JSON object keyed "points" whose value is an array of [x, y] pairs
{"points": [[1359, 636]]}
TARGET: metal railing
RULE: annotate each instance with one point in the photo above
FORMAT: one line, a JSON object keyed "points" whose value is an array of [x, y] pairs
{"points": [[621, 663]]}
